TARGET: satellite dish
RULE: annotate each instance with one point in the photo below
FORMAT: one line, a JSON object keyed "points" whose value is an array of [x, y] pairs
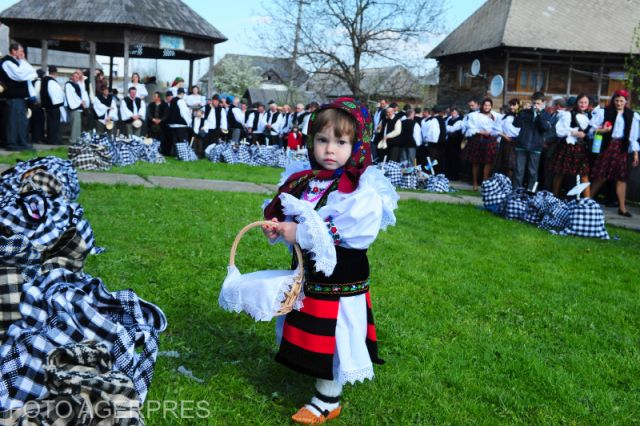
{"points": [[475, 67], [496, 86]]}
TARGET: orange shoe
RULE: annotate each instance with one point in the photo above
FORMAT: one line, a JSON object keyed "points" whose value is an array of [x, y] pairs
{"points": [[304, 416]]}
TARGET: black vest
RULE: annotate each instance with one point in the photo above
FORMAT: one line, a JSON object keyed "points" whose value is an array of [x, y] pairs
{"points": [[45, 97], [129, 102], [574, 121], [231, 119], [76, 87], [256, 119], [272, 117], [13, 89], [406, 135], [217, 111], [390, 126], [174, 117], [104, 101], [455, 136], [610, 115]]}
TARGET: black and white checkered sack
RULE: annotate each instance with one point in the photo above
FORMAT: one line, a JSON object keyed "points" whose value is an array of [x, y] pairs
{"points": [[60, 307], [150, 153], [438, 183], [495, 191], [127, 153], [63, 170], [393, 171], [586, 219], [409, 179], [244, 155], [553, 211], [228, 155], [211, 153], [517, 204], [185, 152], [41, 180], [282, 157]]}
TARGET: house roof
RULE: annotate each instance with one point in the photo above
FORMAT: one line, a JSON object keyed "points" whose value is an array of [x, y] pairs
{"points": [[566, 25], [167, 16], [384, 81], [280, 66]]}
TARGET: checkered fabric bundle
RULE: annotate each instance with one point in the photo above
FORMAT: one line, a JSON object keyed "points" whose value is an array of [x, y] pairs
{"points": [[586, 219], [409, 179], [185, 152], [61, 307], [282, 158], [517, 205], [211, 153], [495, 191], [150, 153], [438, 183], [393, 171], [90, 156], [244, 154], [80, 379], [128, 152], [56, 168], [228, 155], [553, 211]]}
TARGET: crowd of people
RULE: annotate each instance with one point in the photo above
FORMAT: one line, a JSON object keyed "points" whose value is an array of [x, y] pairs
{"points": [[538, 144]]}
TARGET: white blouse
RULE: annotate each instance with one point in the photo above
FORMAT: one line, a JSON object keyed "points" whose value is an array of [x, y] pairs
{"points": [[358, 216], [481, 122], [618, 129], [141, 90], [508, 128]]}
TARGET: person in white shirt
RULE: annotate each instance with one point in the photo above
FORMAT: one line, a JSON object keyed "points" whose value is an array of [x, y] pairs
{"points": [[106, 110], [132, 112], [274, 122], [255, 123], [215, 122], [506, 162], [16, 76], [141, 89], [77, 99], [52, 97], [483, 129], [235, 119], [179, 118]]}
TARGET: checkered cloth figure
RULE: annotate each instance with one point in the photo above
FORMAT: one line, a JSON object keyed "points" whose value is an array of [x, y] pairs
{"points": [[553, 211], [409, 179], [150, 153], [495, 191], [41, 180], [63, 170], [60, 307], [185, 152], [586, 219], [517, 205], [69, 252], [283, 160], [90, 157], [127, 153], [11, 281], [79, 377], [211, 153], [393, 171], [438, 183]]}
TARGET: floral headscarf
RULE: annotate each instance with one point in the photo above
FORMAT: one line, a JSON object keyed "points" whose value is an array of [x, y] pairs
{"points": [[349, 175]]}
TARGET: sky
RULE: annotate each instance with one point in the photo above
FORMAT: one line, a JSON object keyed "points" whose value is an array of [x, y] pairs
{"points": [[237, 19]]}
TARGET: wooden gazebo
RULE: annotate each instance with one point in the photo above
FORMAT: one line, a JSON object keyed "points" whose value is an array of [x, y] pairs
{"points": [[154, 29]]}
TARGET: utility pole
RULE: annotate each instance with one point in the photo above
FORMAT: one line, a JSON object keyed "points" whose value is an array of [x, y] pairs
{"points": [[294, 56]]}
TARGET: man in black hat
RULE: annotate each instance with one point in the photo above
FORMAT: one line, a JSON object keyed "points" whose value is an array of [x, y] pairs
{"points": [[52, 98], [179, 118], [215, 121], [16, 75]]}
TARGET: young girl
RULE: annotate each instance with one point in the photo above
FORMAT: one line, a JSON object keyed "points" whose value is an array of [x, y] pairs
{"points": [[294, 138], [334, 212], [619, 128], [572, 156], [482, 146]]}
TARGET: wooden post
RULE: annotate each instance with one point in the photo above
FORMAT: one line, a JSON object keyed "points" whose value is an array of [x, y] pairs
{"points": [[125, 72], [506, 78], [44, 55], [110, 73], [539, 75], [569, 76], [210, 74], [92, 69], [190, 74], [600, 78]]}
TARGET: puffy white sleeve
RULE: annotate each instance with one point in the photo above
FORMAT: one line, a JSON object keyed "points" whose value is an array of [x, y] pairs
{"points": [[353, 220], [472, 126], [563, 126], [635, 134]]}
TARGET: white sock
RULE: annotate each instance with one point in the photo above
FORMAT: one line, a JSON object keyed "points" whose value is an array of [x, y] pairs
{"points": [[327, 397]]}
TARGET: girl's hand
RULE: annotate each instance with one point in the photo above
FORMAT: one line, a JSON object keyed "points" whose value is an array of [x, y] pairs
{"points": [[603, 130], [579, 134], [272, 231], [287, 231], [636, 161]]}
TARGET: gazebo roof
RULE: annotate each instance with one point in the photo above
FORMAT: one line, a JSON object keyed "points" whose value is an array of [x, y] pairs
{"points": [[149, 25], [167, 16]]}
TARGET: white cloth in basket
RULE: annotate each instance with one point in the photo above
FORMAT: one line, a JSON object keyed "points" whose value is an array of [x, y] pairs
{"points": [[258, 294]]}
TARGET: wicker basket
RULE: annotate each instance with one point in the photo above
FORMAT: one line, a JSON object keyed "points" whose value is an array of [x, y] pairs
{"points": [[292, 294]]}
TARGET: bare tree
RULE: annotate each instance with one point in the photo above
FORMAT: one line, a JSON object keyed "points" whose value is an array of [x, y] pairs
{"points": [[340, 37]]}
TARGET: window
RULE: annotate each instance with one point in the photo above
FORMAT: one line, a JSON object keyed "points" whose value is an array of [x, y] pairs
{"points": [[464, 81], [530, 80]]}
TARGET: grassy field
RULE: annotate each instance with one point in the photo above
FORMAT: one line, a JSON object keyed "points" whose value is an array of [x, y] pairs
{"points": [[201, 169], [480, 320]]}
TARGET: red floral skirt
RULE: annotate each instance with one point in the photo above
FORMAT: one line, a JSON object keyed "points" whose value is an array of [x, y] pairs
{"points": [[612, 163], [481, 150], [571, 159]]}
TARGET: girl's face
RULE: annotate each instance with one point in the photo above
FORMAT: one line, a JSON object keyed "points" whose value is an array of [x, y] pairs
{"points": [[486, 107], [135, 78], [331, 152], [620, 102], [583, 103]]}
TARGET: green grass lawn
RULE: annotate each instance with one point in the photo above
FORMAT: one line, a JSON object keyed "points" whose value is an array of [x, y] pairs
{"points": [[201, 169], [480, 320]]}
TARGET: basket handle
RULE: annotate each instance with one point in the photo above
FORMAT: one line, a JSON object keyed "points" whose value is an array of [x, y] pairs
{"points": [[234, 246]]}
